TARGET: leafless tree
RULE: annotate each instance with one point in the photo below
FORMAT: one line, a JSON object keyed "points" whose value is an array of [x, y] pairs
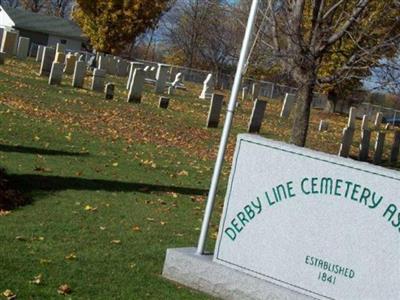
{"points": [[326, 42]]}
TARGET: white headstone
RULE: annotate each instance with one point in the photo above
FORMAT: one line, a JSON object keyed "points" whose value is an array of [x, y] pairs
{"points": [[161, 78], [136, 88], [79, 74], [288, 104], [208, 87], [98, 80]]}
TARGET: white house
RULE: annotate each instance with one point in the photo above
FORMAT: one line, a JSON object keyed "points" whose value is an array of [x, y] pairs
{"points": [[42, 29]]}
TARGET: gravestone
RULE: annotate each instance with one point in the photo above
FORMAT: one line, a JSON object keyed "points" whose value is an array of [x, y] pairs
{"points": [[215, 110], [60, 57], [163, 102], [378, 120], [365, 139], [98, 80], [2, 58], [9, 42], [255, 91], [56, 73], [323, 126], [379, 147], [257, 116], [208, 87], [70, 61], [79, 74], [39, 53], [324, 228], [109, 91], [132, 67], [161, 78], [394, 153], [122, 67], [101, 63], [47, 61], [33, 50], [177, 81], [287, 106], [348, 134], [347, 140], [136, 89], [23, 47], [352, 117], [60, 48], [244, 93]]}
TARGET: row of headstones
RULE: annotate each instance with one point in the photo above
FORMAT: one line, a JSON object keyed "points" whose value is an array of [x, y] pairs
{"points": [[366, 133], [54, 63], [256, 118], [12, 45]]}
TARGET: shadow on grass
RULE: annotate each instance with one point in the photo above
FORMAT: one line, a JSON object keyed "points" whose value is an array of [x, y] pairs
{"points": [[31, 150], [10, 197], [32, 183]]}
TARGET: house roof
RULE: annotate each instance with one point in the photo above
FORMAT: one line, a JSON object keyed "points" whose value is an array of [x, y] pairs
{"points": [[36, 22]]}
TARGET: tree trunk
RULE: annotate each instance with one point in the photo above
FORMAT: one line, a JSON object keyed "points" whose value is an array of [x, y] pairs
{"points": [[304, 98]]}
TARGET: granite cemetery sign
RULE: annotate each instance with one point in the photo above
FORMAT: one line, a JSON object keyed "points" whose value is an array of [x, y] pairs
{"points": [[317, 224]]}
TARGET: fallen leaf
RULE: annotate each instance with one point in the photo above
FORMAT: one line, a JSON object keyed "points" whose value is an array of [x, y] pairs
{"points": [[136, 228], [64, 289], [115, 164], [90, 208], [37, 279], [9, 294], [20, 238], [117, 242], [71, 256], [183, 173]]}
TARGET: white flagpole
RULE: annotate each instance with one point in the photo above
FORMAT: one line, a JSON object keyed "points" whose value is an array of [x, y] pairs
{"points": [[227, 127]]}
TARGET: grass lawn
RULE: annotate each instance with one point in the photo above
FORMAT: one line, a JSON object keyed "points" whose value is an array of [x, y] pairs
{"points": [[111, 185]]}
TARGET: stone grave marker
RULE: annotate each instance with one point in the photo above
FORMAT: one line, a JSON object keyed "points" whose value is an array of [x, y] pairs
{"points": [[98, 80], [394, 153], [365, 139], [323, 126], [214, 112], [70, 61], [23, 47], [378, 120], [136, 89], [163, 102], [79, 74], [60, 57], [287, 106], [132, 67], [208, 87], [60, 48], [255, 91], [39, 53], [245, 91], [56, 73], [47, 61], [9, 42], [257, 116], [161, 78], [379, 147], [348, 134], [109, 91]]}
